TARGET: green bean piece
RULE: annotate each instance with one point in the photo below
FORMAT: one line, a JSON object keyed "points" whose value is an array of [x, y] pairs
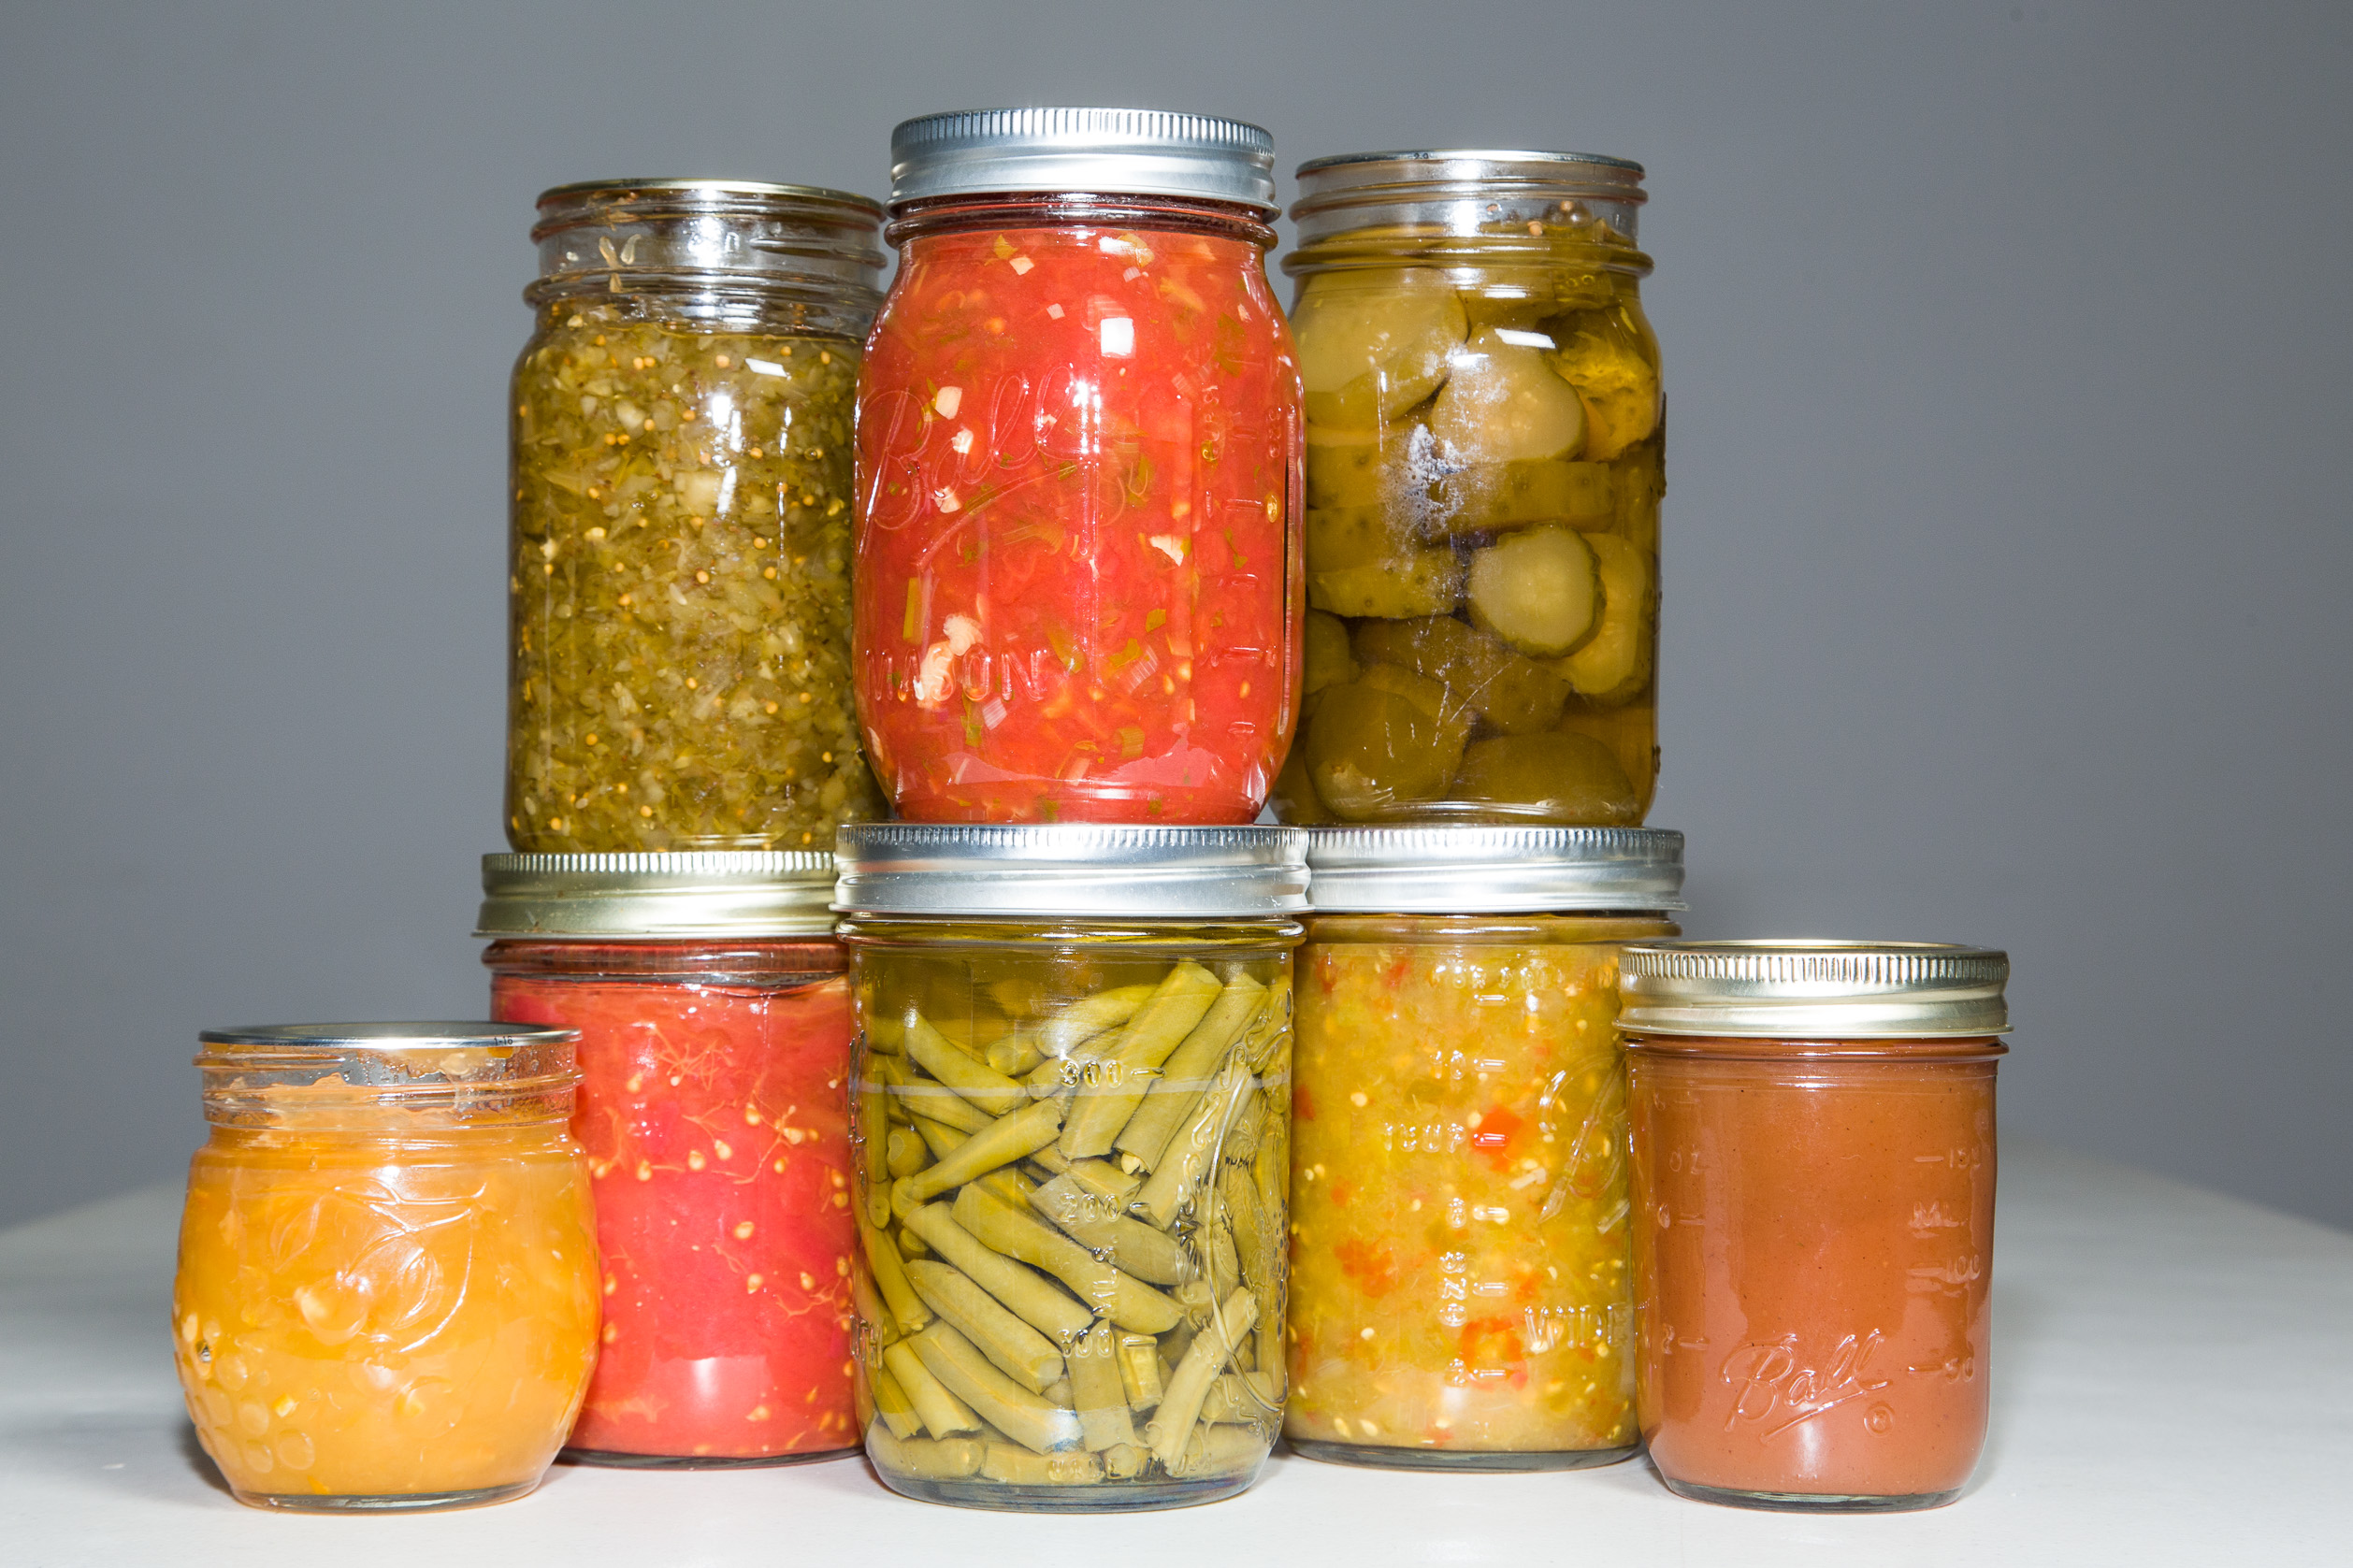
{"points": [[924, 1460], [1026, 1356], [1140, 1370], [1094, 1223], [910, 1244], [869, 1308], [1003, 1142], [890, 1278], [1191, 1151], [1224, 1261], [928, 1099], [1187, 1071], [882, 1031], [1116, 1072], [984, 1085], [892, 1403], [1058, 1393], [1020, 1415], [1102, 1177], [1219, 1450], [1030, 1297], [941, 1140], [873, 1122], [943, 1414], [1096, 1388], [1124, 1463], [1020, 1467], [887, 1074], [1241, 1396], [903, 1153], [1014, 1055], [1089, 1016], [1240, 1144], [1018, 1233], [1180, 1405], [1238, 1193]]}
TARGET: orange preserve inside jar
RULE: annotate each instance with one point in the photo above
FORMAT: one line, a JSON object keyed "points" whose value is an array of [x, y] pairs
{"points": [[1813, 1153], [386, 1296]]}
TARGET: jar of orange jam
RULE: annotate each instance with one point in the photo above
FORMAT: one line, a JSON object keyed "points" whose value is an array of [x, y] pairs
{"points": [[387, 1288]]}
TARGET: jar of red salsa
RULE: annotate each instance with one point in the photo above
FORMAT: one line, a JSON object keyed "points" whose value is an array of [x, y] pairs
{"points": [[1078, 584], [714, 1011]]}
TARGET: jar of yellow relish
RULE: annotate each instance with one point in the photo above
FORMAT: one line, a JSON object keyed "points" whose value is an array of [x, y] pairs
{"points": [[387, 1289], [1461, 1291]]}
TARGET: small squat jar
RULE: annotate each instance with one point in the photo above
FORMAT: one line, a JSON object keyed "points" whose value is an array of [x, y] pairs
{"points": [[679, 578], [1485, 454], [714, 1011], [387, 1298], [1072, 1113], [1078, 424], [1814, 1199], [1462, 1269]]}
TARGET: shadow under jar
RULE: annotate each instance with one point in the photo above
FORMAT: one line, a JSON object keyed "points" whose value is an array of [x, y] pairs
{"points": [[713, 1010], [386, 1297], [1072, 1117], [1813, 1198], [1462, 1270], [679, 585], [1485, 454], [1078, 425]]}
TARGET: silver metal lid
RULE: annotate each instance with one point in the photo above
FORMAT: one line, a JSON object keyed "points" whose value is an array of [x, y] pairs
{"points": [[1495, 870], [1821, 990], [697, 893], [1071, 868], [1138, 152], [437, 1034], [1468, 190]]}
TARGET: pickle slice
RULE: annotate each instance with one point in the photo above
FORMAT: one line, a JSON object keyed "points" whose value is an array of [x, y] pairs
{"points": [[1329, 658], [1492, 497], [1557, 776], [1374, 344], [1383, 742], [1630, 732], [1293, 796], [1502, 402], [1611, 359], [1422, 583], [1615, 666], [1640, 481], [1365, 468], [1340, 537], [1509, 691], [1538, 590]]}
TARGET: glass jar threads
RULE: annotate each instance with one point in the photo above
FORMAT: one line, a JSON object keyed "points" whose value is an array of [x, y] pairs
{"points": [[1462, 1280], [1485, 462], [1073, 1111], [1077, 538], [386, 1297], [1813, 1193], [714, 1011], [678, 583]]}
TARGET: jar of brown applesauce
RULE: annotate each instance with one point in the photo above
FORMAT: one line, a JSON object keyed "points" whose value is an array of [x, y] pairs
{"points": [[679, 573], [1485, 454], [1814, 1216], [1462, 1273]]}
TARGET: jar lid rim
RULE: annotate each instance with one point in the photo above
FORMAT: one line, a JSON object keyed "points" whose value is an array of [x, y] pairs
{"points": [[1101, 150], [1494, 868], [820, 194], [1470, 154], [1812, 988], [435, 1034], [657, 895], [1057, 869]]}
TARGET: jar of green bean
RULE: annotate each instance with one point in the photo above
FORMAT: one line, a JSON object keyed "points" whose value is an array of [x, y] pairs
{"points": [[1071, 1154]]}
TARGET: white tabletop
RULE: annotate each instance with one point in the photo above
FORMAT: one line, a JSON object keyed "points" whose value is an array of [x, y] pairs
{"points": [[2172, 1383]]}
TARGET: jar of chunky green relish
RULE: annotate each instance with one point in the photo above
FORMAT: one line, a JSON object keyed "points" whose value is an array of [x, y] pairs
{"points": [[679, 576], [1072, 1134]]}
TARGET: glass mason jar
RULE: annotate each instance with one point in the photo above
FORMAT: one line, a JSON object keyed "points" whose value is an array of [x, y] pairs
{"points": [[387, 1288], [1462, 1270], [1078, 425], [1073, 1112], [679, 623], [1485, 448], [713, 1010], [1814, 1199]]}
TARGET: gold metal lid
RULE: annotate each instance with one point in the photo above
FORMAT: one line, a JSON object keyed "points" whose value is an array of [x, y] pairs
{"points": [[1812, 991], [690, 894]]}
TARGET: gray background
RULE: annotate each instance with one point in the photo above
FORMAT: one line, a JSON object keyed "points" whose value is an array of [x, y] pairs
{"points": [[2007, 554]]}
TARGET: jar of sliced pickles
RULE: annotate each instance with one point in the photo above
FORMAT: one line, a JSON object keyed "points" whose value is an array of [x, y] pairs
{"points": [[679, 578], [713, 1009], [1485, 462], [387, 1289], [1463, 1293], [1072, 1118]]}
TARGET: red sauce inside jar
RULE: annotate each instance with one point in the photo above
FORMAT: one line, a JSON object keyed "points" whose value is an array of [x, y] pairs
{"points": [[715, 1117], [1813, 1245], [1076, 586]]}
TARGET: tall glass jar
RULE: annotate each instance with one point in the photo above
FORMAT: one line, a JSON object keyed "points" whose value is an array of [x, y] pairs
{"points": [[1814, 1199], [1073, 1115], [1462, 1270], [680, 574], [713, 1010], [1485, 449], [1078, 426], [387, 1289]]}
